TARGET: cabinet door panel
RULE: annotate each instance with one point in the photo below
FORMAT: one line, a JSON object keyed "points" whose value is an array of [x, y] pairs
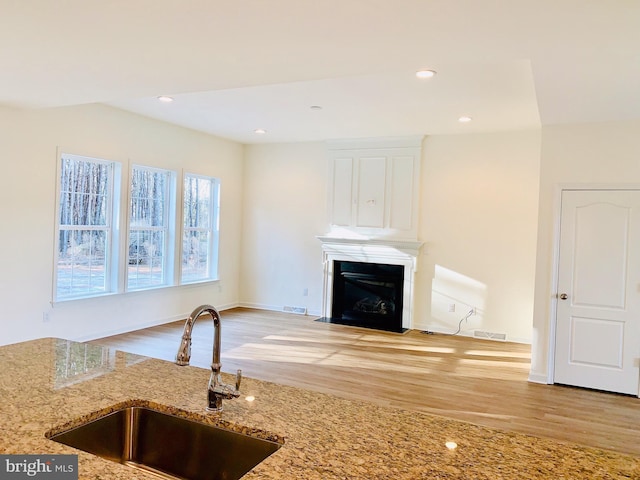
{"points": [[401, 195], [371, 189], [342, 195]]}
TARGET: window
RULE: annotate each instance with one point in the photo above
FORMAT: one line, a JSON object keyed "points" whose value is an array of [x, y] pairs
{"points": [[84, 224], [97, 254], [151, 223], [200, 228]]}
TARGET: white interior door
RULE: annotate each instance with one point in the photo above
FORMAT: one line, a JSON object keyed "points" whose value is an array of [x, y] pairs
{"points": [[598, 308]]}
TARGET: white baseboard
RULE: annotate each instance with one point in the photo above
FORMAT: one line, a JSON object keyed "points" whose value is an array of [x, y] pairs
{"points": [[129, 328], [467, 333], [275, 308], [145, 324], [260, 306], [538, 378], [227, 306]]}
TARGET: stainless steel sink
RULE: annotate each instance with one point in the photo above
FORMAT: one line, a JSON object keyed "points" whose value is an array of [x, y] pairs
{"points": [[171, 446]]}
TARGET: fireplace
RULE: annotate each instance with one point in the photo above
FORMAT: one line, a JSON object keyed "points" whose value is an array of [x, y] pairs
{"points": [[367, 295], [369, 283]]}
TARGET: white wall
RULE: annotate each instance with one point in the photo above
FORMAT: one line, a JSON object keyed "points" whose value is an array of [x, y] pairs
{"points": [[28, 143], [285, 209], [605, 154], [478, 217], [483, 197]]}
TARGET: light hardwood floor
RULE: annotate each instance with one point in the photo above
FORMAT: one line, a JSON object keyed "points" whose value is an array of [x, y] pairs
{"points": [[479, 381]]}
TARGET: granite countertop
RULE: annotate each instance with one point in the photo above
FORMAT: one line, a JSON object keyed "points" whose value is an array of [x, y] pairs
{"points": [[49, 383]]}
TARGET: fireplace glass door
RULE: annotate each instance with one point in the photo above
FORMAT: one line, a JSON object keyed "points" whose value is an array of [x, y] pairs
{"points": [[368, 295]]}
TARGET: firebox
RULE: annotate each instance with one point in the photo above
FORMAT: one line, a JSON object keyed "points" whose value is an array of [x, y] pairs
{"points": [[367, 295]]}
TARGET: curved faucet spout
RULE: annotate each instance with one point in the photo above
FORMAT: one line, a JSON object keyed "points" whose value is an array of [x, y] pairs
{"points": [[216, 390], [184, 352]]}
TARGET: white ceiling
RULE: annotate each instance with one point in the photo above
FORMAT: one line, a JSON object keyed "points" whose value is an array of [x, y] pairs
{"points": [[237, 65]]}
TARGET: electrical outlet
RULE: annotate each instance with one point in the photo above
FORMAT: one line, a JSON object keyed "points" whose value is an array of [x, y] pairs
{"points": [[452, 307]]}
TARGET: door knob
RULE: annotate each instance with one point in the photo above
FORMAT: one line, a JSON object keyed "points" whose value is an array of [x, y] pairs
{"points": [[563, 296]]}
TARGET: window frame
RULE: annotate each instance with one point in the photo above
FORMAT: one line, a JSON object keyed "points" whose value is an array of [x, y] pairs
{"points": [[118, 229], [169, 229], [111, 228]]}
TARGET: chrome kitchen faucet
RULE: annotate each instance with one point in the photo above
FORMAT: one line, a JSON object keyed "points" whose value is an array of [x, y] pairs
{"points": [[216, 390]]}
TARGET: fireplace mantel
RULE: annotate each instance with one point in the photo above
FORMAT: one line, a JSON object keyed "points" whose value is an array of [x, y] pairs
{"points": [[408, 247]]}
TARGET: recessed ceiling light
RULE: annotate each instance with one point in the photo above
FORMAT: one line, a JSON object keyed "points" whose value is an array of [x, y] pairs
{"points": [[425, 73], [249, 398], [451, 445], [315, 107], [260, 131], [165, 98], [465, 119]]}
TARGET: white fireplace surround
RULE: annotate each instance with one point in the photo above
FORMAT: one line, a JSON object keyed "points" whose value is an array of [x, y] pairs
{"points": [[385, 251]]}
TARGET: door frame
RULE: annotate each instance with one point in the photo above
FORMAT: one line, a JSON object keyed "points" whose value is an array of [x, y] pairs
{"points": [[555, 265]]}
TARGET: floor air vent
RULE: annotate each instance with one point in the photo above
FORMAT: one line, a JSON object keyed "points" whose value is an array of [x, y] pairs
{"points": [[490, 335], [300, 310]]}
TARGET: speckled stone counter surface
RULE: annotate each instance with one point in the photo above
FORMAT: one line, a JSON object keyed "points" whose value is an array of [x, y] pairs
{"points": [[48, 383]]}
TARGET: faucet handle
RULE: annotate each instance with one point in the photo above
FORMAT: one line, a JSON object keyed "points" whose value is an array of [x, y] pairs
{"points": [[238, 379]]}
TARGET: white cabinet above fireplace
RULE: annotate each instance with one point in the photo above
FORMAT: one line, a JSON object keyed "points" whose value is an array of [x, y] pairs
{"points": [[373, 186]]}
